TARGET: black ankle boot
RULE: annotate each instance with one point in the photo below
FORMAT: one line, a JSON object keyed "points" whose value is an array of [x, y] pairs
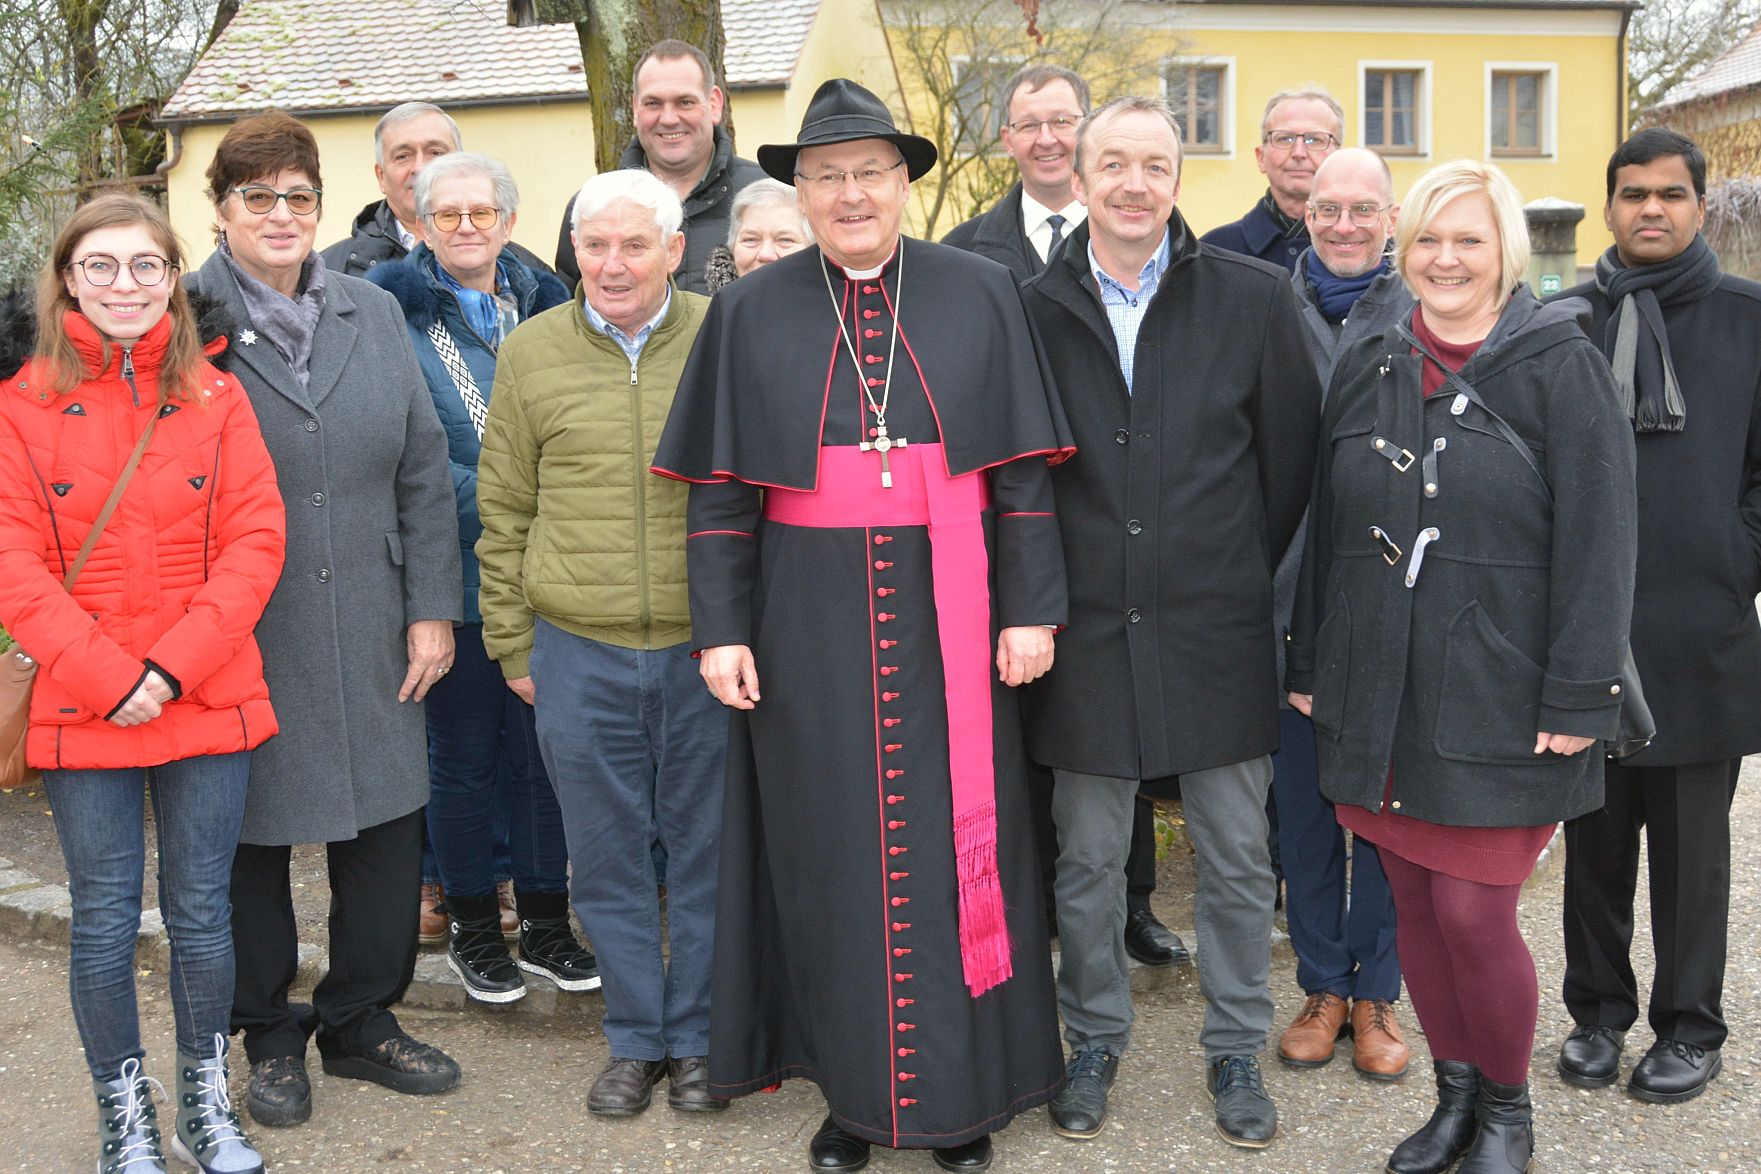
{"points": [[476, 951], [1449, 1132], [1506, 1141]]}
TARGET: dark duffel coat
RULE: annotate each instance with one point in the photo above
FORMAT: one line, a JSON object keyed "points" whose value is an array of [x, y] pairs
{"points": [[1180, 499], [998, 234], [1515, 617], [1695, 635]]}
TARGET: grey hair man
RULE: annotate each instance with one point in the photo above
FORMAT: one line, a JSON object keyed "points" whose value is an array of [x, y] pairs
{"points": [[1343, 932], [1299, 129], [585, 609], [406, 139], [677, 107]]}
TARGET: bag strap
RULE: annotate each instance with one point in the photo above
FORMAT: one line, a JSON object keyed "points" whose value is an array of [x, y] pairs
{"points": [[110, 503], [1466, 389]]}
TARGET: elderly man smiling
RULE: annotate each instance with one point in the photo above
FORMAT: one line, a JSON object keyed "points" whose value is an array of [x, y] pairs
{"points": [[584, 607]]}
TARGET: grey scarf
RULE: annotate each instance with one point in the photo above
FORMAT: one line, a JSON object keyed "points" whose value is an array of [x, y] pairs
{"points": [[289, 324], [1635, 341]]}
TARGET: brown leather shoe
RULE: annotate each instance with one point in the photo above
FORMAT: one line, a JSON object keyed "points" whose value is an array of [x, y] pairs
{"points": [[431, 930], [688, 1085], [1308, 1041], [510, 912], [625, 1087], [1378, 1052]]}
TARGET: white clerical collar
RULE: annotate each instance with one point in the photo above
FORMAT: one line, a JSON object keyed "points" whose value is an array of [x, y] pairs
{"points": [[1034, 213], [862, 274]]}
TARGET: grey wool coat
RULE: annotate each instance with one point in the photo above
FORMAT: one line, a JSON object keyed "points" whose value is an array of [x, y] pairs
{"points": [[372, 545]]}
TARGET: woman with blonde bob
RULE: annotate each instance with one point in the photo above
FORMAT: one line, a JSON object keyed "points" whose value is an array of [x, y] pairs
{"points": [[1461, 627]]}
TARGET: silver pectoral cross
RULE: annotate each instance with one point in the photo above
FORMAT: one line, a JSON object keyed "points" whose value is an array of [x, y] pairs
{"points": [[883, 444]]}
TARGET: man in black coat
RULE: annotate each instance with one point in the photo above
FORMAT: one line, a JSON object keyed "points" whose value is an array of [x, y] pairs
{"points": [[408, 138], [679, 137], [1685, 343], [1298, 130], [1042, 105], [1183, 372]]}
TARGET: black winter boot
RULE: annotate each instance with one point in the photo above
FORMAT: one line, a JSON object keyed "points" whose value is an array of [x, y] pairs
{"points": [[476, 951], [1506, 1141], [548, 945], [1449, 1132]]}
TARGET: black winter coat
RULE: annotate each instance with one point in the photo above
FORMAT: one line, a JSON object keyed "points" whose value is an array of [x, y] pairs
{"points": [[1695, 635], [1174, 510], [997, 234], [1515, 617]]}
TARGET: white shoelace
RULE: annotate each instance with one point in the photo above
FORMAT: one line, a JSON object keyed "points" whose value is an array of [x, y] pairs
{"points": [[133, 1119], [216, 1108]]}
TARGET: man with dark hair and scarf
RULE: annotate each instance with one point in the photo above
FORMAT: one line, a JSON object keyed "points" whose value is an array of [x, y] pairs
{"points": [[1685, 343]]}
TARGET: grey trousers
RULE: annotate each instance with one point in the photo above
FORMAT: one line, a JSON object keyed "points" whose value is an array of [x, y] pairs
{"points": [[1226, 819], [1092, 814]]}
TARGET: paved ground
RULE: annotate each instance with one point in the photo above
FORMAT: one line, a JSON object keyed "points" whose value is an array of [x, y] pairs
{"points": [[521, 1108]]}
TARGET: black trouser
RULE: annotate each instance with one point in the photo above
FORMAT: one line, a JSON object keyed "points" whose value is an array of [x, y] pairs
{"points": [[1140, 865], [375, 884], [1685, 814]]}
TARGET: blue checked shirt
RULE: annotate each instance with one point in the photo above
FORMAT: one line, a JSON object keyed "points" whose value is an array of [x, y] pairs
{"points": [[1126, 308], [632, 347]]}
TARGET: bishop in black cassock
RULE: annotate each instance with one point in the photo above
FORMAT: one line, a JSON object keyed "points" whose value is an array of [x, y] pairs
{"points": [[872, 547]]}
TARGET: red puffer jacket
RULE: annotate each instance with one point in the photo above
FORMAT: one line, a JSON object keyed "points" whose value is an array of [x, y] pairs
{"points": [[178, 579]]}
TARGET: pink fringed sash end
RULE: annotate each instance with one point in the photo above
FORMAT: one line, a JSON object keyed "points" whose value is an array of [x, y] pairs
{"points": [[984, 933]]}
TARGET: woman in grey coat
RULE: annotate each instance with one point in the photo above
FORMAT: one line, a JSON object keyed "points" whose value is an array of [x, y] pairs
{"points": [[357, 631]]}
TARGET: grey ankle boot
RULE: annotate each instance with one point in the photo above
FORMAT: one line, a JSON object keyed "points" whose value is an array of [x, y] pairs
{"points": [[128, 1125], [208, 1136]]}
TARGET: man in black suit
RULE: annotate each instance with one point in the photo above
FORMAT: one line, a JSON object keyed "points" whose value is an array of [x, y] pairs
{"points": [[1041, 106]]}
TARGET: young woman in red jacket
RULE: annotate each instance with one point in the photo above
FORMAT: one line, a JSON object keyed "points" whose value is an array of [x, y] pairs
{"points": [[147, 670]]}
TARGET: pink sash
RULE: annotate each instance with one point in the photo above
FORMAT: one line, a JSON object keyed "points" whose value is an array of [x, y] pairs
{"points": [[850, 495]]}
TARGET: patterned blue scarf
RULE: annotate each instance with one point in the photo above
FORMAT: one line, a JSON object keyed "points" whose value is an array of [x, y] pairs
{"points": [[487, 314]]}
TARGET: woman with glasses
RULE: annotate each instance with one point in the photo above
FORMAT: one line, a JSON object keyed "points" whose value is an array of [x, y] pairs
{"points": [[148, 682], [359, 629], [462, 292], [1461, 626]]}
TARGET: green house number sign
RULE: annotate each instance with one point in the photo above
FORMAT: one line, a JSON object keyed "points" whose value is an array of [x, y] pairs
{"points": [[1551, 284]]}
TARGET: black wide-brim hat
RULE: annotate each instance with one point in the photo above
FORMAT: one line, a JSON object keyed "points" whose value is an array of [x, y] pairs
{"points": [[842, 112]]}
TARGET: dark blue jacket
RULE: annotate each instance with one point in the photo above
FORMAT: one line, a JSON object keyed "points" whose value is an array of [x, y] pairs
{"points": [[1259, 235], [418, 288]]}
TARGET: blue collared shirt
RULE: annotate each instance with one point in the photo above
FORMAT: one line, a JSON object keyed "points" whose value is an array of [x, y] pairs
{"points": [[632, 347], [1126, 308]]}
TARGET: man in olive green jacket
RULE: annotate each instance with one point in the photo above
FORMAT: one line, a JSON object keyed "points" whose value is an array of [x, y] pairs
{"points": [[585, 609]]}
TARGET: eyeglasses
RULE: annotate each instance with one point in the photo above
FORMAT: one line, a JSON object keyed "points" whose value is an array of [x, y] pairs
{"points": [[1315, 140], [101, 269], [1062, 125], [1362, 215], [449, 219], [259, 199], [868, 179]]}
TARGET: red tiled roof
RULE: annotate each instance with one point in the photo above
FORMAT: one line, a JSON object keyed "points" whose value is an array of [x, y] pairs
{"points": [[1737, 68]]}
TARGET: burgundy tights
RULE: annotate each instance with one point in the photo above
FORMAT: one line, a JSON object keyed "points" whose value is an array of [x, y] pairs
{"points": [[1468, 971]]}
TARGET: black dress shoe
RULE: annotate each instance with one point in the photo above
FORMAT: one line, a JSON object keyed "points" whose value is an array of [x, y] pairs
{"points": [[688, 1085], [1151, 942], [1245, 1114], [1674, 1071], [834, 1150], [280, 1092], [975, 1155], [1080, 1108], [624, 1087], [1590, 1056]]}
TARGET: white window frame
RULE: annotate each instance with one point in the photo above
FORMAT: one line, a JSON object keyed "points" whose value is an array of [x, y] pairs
{"points": [[1549, 152], [1226, 96], [960, 61], [1422, 116]]}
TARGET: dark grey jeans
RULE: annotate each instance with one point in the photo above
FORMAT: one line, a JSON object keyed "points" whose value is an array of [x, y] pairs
{"points": [[636, 748]]}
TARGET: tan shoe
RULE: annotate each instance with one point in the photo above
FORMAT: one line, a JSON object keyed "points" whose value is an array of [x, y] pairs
{"points": [[510, 911], [1379, 1052], [1308, 1041], [431, 929]]}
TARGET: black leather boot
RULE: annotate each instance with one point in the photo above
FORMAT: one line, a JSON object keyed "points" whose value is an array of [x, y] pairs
{"points": [[1449, 1132], [1506, 1141]]}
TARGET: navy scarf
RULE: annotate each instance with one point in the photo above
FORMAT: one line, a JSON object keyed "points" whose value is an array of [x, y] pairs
{"points": [[1337, 295]]}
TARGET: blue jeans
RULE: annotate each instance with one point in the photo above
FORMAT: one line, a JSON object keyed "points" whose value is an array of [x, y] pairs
{"points": [[483, 760], [637, 749], [100, 815], [1343, 935]]}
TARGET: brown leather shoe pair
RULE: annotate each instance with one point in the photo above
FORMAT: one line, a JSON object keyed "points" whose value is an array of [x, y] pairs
{"points": [[1379, 1051], [626, 1087]]}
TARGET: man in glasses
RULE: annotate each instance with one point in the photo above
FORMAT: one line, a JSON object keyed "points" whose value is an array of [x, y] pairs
{"points": [[1347, 291], [405, 140], [1299, 129]]}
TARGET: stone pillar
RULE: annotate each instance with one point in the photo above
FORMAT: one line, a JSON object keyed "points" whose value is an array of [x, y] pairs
{"points": [[1553, 243]]}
